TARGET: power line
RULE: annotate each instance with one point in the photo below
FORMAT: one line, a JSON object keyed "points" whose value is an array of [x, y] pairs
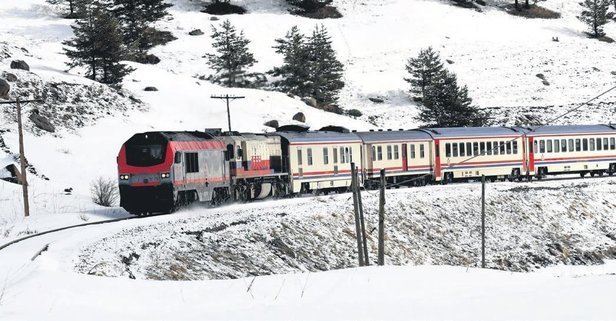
{"points": [[228, 98]]}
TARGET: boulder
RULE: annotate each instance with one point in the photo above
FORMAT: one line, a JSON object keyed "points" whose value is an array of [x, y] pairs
{"points": [[354, 113], [376, 100], [272, 124], [196, 32], [10, 77], [149, 59], [4, 89], [20, 64], [41, 121], [310, 101], [214, 19], [449, 61], [300, 117], [150, 88]]}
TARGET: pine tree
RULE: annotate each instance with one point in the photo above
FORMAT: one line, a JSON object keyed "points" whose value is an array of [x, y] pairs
{"points": [[595, 16], [98, 46], [324, 80], [75, 8], [135, 16], [232, 57], [294, 71], [445, 104], [422, 70]]}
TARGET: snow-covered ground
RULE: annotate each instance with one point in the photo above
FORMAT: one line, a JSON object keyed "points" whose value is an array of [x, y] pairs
{"points": [[495, 54]]}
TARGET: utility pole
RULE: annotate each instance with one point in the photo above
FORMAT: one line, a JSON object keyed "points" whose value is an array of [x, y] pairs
{"points": [[358, 232], [483, 221], [228, 98], [361, 219], [22, 156], [381, 258]]}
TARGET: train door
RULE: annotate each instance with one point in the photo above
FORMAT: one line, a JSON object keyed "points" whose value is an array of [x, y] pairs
{"points": [[405, 163], [437, 159], [179, 173], [531, 154]]}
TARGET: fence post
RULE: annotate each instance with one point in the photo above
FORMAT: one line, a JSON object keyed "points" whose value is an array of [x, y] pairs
{"points": [[483, 221], [361, 219]]}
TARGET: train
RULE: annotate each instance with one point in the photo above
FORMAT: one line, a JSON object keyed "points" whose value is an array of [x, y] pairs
{"points": [[161, 171]]}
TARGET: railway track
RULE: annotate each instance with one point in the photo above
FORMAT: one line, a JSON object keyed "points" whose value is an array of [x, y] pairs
{"points": [[64, 228]]}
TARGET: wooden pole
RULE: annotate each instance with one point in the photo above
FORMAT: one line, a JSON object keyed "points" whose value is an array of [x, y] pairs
{"points": [[228, 98], [360, 251], [483, 221], [381, 254], [362, 221], [22, 160]]}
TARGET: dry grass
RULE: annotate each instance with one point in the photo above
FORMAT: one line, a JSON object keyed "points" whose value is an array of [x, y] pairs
{"points": [[534, 12]]}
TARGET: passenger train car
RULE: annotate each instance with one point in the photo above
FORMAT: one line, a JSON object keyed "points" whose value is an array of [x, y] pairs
{"points": [[160, 171]]}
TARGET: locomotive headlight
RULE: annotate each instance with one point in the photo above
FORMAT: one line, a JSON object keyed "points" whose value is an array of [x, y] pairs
{"points": [[124, 177], [165, 175]]}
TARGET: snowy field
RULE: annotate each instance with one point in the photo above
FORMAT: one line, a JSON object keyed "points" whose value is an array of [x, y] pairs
{"points": [[433, 232]]}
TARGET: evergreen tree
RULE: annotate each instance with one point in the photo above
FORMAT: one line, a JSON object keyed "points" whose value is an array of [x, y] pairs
{"points": [[232, 57], [325, 72], [595, 16], [135, 16], [423, 69], [310, 5], [445, 104], [98, 47], [294, 71]]}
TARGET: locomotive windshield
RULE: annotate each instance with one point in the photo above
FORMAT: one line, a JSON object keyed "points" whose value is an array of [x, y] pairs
{"points": [[146, 150]]}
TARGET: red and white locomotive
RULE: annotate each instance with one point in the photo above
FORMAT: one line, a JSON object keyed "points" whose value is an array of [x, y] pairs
{"points": [[159, 171]]}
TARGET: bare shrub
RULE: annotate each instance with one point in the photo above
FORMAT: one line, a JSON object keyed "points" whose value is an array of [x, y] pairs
{"points": [[104, 192]]}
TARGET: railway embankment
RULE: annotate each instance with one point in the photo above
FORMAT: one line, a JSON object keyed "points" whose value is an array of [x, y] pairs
{"points": [[529, 226]]}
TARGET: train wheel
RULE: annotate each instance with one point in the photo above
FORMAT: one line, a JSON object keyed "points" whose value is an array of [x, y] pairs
{"points": [[600, 173], [592, 174], [582, 174]]}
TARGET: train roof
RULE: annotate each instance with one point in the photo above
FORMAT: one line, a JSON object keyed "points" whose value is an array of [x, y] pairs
{"points": [[472, 132], [317, 136], [398, 135], [570, 129], [185, 136]]}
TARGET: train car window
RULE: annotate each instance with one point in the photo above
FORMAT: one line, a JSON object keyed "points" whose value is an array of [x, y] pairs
{"points": [[373, 152], [422, 151], [192, 162], [462, 150], [509, 148], [482, 148], [515, 147], [454, 150], [469, 149], [325, 155], [578, 145], [549, 146], [556, 146], [379, 153], [412, 150], [536, 143], [571, 146], [599, 145], [585, 144], [563, 145], [475, 149], [489, 148], [178, 157], [591, 144], [389, 152], [612, 143], [309, 156], [299, 156], [396, 152], [606, 145], [335, 154], [495, 148], [239, 152], [342, 156], [350, 149], [542, 146], [448, 150]]}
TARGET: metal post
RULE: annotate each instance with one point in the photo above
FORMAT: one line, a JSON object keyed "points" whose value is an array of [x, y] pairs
{"points": [[483, 221], [360, 251], [361, 219], [22, 160], [381, 254]]}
